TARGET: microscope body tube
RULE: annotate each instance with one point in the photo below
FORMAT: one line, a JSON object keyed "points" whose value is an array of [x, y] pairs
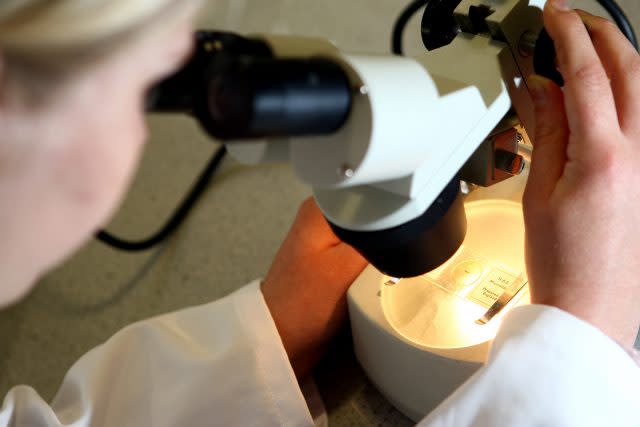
{"points": [[387, 179], [413, 124]]}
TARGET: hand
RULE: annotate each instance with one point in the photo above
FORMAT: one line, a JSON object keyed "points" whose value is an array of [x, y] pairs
{"points": [[582, 202], [306, 287]]}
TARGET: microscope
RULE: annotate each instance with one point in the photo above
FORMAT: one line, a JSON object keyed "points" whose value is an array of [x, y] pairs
{"points": [[417, 162]]}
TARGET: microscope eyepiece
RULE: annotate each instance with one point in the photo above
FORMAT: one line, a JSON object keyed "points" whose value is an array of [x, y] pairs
{"points": [[237, 90], [249, 98]]}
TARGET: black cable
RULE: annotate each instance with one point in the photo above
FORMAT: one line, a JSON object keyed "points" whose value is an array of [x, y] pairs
{"points": [[178, 216], [616, 12], [401, 24], [621, 19]]}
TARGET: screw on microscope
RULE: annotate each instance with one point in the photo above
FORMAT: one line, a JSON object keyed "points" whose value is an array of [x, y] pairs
{"points": [[527, 44], [346, 171]]}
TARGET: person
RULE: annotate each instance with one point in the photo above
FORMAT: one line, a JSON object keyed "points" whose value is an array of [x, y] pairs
{"points": [[71, 131]]}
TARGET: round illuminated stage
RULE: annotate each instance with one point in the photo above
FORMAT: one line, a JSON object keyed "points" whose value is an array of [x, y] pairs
{"points": [[442, 309], [419, 339]]}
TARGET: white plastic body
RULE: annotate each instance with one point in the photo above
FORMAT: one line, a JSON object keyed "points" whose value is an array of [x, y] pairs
{"points": [[417, 141], [414, 121]]}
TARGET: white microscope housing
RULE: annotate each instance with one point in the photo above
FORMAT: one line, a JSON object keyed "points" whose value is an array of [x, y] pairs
{"points": [[387, 180]]}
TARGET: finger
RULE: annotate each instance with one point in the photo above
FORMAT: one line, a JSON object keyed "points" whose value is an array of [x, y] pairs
{"points": [[591, 110], [622, 64], [311, 225], [550, 137]]}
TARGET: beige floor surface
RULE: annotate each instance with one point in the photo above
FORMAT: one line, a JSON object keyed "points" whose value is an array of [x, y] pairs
{"points": [[229, 240]]}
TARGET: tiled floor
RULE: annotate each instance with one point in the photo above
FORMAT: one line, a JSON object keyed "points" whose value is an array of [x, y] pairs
{"points": [[229, 240]]}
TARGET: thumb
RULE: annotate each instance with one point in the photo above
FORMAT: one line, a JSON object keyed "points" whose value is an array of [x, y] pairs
{"points": [[550, 137]]}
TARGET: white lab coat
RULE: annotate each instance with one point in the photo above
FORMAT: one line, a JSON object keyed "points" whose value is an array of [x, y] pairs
{"points": [[223, 364]]}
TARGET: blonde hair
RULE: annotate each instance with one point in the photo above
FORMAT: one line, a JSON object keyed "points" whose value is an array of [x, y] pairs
{"points": [[42, 41]]}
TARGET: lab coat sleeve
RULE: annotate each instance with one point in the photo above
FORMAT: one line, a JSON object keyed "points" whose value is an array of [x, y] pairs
{"points": [[219, 364], [547, 368]]}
